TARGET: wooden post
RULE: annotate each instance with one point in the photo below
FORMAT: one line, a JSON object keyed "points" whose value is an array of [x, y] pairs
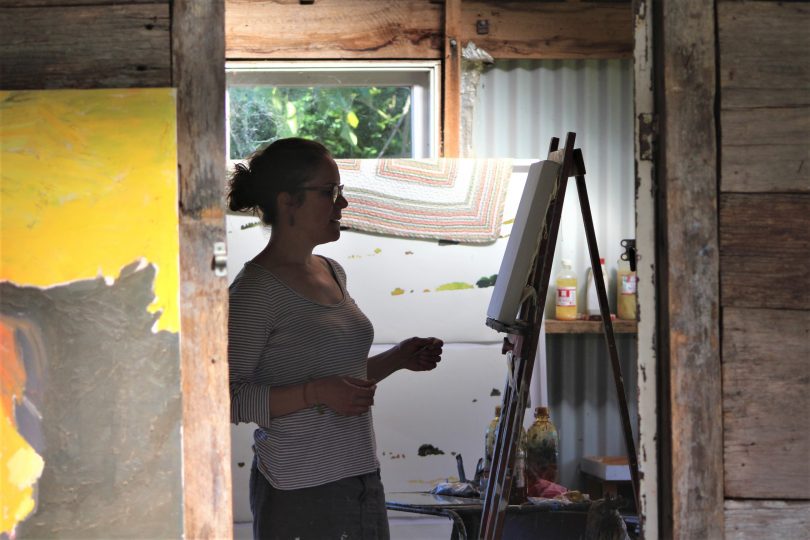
{"points": [[451, 89], [198, 52], [647, 359], [689, 274]]}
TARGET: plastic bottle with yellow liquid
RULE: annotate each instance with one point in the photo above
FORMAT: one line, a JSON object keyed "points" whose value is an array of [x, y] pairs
{"points": [[566, 305], [626, 287]]}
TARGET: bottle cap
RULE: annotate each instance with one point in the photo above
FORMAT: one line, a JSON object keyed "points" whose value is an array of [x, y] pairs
{"points": [[566, 262], [540, 412]]}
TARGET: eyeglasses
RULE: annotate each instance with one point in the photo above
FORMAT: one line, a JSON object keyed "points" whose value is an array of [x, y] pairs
{"points": [[333, 190]]}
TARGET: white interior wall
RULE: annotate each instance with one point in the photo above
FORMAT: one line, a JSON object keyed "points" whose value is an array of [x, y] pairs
{"points": [[520, 107], [449, 407]]}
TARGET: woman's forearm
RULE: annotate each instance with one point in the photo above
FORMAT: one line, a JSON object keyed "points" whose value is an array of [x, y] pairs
{"points": [[289, 399], [384, 364]]}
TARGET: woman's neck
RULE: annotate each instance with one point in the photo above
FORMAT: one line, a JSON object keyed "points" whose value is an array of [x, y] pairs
{"points": [[286, 253]]}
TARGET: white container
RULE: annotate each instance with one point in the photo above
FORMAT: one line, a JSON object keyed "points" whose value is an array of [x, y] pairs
{"points": [[591, 299]]}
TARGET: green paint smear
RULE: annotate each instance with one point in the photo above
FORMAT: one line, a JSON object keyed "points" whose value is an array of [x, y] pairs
{"points": [[455, 286], [397, 292]]}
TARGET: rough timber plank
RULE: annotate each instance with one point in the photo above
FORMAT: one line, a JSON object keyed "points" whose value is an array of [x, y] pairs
{"points": [[765, 52], [116, 46], [764, 97], [754, 520], [551, 30], [588, 327], [199, 75], [766, 149], [766, 373], [753, 167], [333, 29], [686, 78], [413, 29], [764, 246], [451, 85], [63, 3]]}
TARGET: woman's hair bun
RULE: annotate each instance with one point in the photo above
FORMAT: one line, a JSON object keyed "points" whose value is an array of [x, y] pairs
{"points": [[283, 166], [242, 195]]}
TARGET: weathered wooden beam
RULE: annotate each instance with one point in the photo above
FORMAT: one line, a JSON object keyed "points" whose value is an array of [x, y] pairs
{"points": [[764, 97], [111, 46], [690, 315], [413, 29], [766, 149], [764, 244], [766, 374], [333, 29], [648, 367], [533, 30], [753, 520], [64, 3], [199, 75], [451, 84], [765, 47]]}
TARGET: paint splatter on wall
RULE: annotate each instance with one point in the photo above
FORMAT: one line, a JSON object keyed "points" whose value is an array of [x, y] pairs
{"points": [[89, 279]]}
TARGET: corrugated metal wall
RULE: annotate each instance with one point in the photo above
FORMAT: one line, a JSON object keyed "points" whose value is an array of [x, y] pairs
{"points": [[519, 107]]}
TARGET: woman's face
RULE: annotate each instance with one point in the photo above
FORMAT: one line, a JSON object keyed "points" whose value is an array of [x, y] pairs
{"points": [[319, 215]]}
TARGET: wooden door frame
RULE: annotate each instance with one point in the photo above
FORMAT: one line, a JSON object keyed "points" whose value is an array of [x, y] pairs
{"points": [[198, 73], [687, 259], [647, 353]]}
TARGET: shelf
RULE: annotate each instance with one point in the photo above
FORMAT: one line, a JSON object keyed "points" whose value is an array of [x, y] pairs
{"points": [[589, 327]]}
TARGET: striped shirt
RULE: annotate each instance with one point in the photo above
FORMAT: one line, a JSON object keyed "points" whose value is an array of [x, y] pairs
{"points": [[276, 337]]}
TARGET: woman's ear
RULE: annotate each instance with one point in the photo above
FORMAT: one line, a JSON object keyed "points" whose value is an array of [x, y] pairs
{"points": [[284, 200], [287, 204]]}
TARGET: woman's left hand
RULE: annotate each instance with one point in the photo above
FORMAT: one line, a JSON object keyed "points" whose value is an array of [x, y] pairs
{"points": [[420, 354]]}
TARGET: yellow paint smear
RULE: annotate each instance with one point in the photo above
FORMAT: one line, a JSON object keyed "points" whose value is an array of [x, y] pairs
{"points": [[88, 184], [20, 465], [455, 286]]}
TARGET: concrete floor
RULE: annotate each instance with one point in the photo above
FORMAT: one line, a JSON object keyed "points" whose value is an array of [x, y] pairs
{"points": [[402, 528]]}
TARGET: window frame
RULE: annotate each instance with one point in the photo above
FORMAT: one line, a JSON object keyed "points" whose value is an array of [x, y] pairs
{"points": [[424, 76]]}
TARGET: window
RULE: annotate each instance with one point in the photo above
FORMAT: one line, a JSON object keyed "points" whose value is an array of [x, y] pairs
{"points": [[357, 109]]}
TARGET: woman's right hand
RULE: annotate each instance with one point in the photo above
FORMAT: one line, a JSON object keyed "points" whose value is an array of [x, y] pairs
{"points": [[346, 396]]}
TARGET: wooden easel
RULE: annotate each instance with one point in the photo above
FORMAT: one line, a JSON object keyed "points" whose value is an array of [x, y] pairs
{"points": [[520, 346]]}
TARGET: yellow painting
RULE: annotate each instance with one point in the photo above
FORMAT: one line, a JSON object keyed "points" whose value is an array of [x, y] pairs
{"points": [[88, 184], [88, 190]]}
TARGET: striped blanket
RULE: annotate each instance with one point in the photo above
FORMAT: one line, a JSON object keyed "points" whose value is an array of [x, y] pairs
{"points": [[454, 199]]}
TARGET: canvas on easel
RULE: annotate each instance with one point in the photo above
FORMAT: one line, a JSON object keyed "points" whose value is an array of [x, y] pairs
{"points": [[517, 307], [521, 248]]}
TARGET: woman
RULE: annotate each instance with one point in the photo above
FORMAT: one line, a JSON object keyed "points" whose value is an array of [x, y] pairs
{"points": [[298, 353]]}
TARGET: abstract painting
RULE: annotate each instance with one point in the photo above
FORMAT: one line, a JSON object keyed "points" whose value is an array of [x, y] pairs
{"points": [[89, 385]]}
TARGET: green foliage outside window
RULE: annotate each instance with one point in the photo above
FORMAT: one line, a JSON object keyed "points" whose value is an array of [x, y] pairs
{"points": [[362, 122]]}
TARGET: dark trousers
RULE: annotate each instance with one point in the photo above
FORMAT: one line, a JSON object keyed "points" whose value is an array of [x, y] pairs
{"points": [[348, 509]]}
